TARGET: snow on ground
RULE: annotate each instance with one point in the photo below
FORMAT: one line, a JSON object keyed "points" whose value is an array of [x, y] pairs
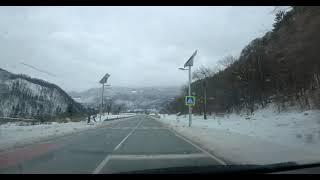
{"points": [[13, 134], [262, 138]]}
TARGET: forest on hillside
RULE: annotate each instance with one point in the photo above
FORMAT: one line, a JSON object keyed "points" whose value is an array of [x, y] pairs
{"points": [[282, 67]]}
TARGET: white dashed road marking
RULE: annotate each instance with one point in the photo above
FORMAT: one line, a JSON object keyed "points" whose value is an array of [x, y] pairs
{"points": [[156, 156], [107, 158], [119, 145], [101, 165]]}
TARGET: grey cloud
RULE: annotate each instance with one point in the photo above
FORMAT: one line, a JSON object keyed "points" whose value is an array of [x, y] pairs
{"points": [[138, 46]]}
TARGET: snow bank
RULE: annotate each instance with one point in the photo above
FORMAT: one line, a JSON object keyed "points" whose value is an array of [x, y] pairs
{"points": [[262, 138], [13, 134]]}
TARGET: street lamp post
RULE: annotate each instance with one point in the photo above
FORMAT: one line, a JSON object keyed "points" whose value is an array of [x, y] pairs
{"points": [[101, 108], [188, 64], [189, 93], [103, 81]]}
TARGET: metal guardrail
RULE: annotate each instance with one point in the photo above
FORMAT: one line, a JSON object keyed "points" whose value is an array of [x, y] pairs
{"points": [[118, 118], [156, 116], [4, 120], [19, 119]]}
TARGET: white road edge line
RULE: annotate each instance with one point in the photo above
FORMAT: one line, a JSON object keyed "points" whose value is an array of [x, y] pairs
{"points": [[107, 158], [204, 151]]}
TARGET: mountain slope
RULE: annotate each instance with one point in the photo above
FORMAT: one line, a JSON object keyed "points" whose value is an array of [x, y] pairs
{"points": [[282, 67], [132, 98], [22, 96]]}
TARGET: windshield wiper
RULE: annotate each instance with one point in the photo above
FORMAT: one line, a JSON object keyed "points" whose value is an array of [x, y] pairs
{"points": [[227, 169]]}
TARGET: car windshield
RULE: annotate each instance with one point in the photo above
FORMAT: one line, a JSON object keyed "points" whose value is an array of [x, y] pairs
{"points": [[100, 90]]}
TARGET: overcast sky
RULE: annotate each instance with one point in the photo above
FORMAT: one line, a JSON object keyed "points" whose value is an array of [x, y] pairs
{"points": [[138, 46]]}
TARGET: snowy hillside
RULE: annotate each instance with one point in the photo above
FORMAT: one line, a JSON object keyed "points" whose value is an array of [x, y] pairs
{"points": [[22, 96], [264, 137]]}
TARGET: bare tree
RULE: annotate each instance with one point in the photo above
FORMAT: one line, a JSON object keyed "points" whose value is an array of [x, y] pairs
{"points": [[184, 89], [277, 9], [227, 61], [121, 108], [202, 72], [109, 105]]}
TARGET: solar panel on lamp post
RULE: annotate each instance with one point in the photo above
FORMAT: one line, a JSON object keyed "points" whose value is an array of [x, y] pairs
{"points": [[188, 64], [103, 81]]}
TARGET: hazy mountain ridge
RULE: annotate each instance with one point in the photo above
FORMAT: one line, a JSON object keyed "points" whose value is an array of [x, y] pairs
{"points": [[133, 98]]}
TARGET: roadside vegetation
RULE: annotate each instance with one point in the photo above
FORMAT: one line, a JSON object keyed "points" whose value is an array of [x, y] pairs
{"points": [[282, 67]]}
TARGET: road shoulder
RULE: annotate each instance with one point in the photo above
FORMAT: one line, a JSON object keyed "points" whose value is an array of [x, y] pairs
{"points": [[240, 149], [44, 135], [194, 142]]}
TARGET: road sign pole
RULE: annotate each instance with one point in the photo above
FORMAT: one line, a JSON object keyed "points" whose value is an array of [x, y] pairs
{"points": [[103, 81], [189, 63], [190, 110]]}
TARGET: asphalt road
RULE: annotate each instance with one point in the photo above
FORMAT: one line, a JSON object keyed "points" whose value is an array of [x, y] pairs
{"points": [[136, 143]]}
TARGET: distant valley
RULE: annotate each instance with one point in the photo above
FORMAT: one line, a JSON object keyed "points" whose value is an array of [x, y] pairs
{"points": [[131, 99]]}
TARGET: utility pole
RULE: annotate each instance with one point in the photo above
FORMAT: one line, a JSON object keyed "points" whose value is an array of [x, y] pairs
{"points": [[190, 108], [101, 107], [103, 81], [205, 99], [188, 64]]}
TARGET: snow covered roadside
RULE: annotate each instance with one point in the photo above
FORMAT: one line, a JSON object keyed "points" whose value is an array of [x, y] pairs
{"points": [[263, 138], [12, 135]]}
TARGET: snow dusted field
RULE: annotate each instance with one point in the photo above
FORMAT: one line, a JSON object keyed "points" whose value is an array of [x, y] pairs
{"points": [[263, 138], [13, 134]]}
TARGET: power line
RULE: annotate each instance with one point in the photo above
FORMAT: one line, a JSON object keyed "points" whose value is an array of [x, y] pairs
{"points": [[30, 66], [51, 74]]}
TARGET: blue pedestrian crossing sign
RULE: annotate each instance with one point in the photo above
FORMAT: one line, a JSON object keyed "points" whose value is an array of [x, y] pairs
{"points": [[190, 100]]}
